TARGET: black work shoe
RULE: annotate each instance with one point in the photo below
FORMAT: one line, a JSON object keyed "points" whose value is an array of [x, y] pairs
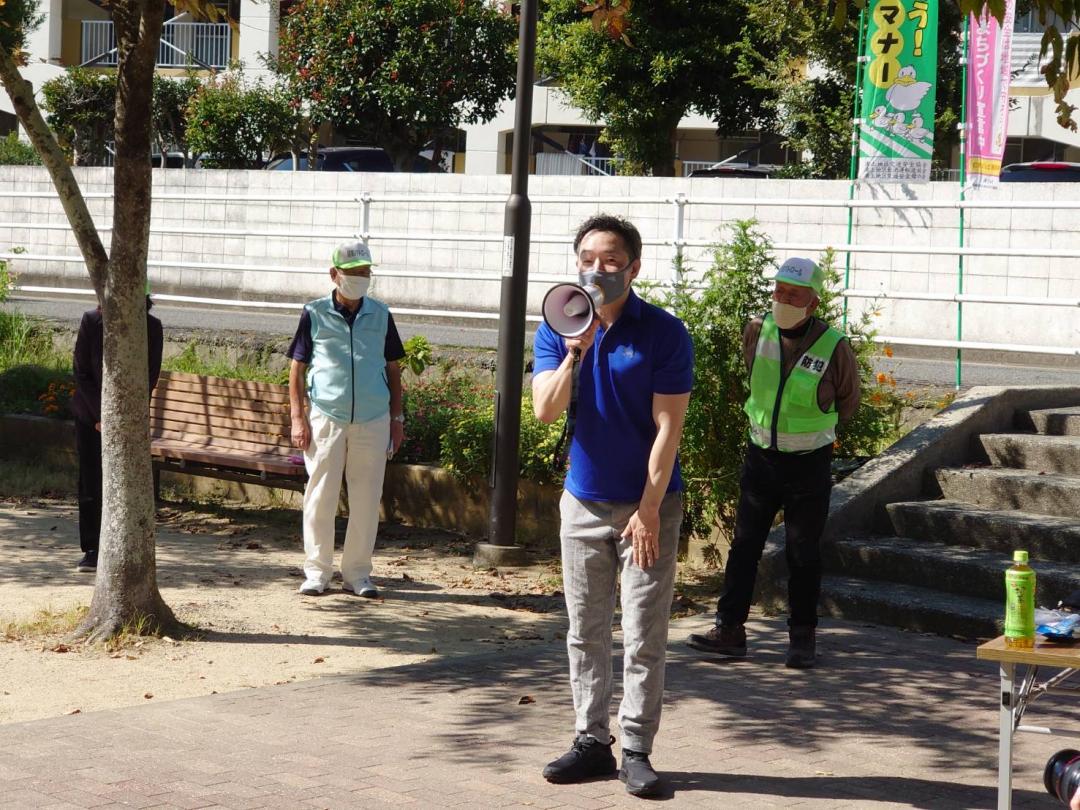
{"points": [[638, 774], [586, 759], [721, 640], [802, 650], [88, 563]]}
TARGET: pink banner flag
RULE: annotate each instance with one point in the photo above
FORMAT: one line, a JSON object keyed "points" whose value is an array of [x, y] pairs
{"points": [[987, 114]]}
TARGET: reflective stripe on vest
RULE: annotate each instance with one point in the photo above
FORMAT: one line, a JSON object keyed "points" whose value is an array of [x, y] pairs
{"points": [[801, 425], [347, 375]]}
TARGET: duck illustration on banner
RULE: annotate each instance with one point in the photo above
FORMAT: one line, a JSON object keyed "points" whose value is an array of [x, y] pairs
{"points": [[906, 93]]}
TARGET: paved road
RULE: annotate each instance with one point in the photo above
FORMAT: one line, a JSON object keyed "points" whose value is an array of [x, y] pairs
{"points": [[911, 371], [890, 720]]}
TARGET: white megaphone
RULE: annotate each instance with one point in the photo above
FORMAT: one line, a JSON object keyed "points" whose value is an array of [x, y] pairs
{"points": [[569, 309]]}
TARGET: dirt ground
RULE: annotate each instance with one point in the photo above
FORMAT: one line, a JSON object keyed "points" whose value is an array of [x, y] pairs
{"points": [[233, 573]]}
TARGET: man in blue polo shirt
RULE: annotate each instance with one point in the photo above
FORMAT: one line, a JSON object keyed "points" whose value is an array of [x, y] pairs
{"points": [[622, 505], [345, 363]]}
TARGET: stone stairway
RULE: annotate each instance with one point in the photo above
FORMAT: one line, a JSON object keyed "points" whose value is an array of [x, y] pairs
{"points": [[938, 565]]}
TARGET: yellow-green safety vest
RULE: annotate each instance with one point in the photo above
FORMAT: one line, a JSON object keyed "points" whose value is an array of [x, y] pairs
{"points": [[788, 408]]}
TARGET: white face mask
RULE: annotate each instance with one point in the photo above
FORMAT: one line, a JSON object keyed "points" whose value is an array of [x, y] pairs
{"points": [[353, 287], [786, 315]]}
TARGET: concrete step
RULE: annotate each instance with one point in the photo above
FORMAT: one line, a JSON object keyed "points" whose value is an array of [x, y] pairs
{"points": [[1045, 537], [1007, 488], [1052, 454], [919, 609], [1055, 421], [950, 569]]}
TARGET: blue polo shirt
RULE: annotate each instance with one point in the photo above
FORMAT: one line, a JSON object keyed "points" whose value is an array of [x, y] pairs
{"points": [[646, 351]]}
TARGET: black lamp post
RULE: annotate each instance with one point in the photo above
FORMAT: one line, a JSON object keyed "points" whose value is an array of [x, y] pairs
{"points": [[510, 368]]}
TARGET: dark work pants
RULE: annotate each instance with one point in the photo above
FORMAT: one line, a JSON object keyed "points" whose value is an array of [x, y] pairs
{"points": [[88, 444], [800, 485]]}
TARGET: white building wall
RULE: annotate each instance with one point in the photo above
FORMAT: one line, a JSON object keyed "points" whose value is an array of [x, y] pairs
{"points": [[298, 234]]}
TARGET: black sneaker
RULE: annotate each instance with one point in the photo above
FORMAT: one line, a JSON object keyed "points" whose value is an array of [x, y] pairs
{"points": [[638, 774], [721, 640], [88, 563], [586, 759], [802, 648]]}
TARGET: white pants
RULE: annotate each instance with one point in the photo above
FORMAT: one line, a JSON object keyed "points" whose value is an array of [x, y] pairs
{"points": [[358, 451]]}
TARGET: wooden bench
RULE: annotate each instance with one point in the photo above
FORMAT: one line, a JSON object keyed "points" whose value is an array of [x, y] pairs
{"points": [[220, 428]]}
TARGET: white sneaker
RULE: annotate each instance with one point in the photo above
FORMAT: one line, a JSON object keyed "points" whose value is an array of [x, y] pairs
{"points": [[362, 587], [312, 587]]}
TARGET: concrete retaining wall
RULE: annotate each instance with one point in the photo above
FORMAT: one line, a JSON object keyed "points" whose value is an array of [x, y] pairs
{"points": [[329, 222]]}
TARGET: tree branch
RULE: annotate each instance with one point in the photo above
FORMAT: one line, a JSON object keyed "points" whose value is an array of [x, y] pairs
{"points": [[82, 223]]}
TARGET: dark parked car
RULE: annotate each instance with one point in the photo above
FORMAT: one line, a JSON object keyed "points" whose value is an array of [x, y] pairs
{"points": [[1042, 171], [759, 170], [348, 159]]}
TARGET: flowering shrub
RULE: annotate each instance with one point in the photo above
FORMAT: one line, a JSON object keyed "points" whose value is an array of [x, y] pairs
{"points": [[450, 421], [56, 401]]}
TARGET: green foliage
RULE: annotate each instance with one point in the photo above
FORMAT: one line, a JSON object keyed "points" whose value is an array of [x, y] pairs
{"points": [[81, 107], [877, 423], [171, 99], [398, 74], [450, 421], [430, 406], [716, 308], [15, 152], [252, 367], [676, 56], [237, 124], [467, 444], [418, 354], [18, 19]]}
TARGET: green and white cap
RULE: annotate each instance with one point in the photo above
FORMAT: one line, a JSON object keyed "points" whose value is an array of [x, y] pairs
{"points": [[802, 273], [352, 254]]}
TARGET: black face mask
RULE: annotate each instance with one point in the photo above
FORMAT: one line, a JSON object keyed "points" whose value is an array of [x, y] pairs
{"points": [[611, 285]]}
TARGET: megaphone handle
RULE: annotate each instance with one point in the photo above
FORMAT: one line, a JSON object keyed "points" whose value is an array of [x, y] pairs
{"points": [[562, 447]]}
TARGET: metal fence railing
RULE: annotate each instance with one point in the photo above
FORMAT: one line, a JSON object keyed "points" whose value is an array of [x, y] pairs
{"points": [[676, 243], [183, 44]]}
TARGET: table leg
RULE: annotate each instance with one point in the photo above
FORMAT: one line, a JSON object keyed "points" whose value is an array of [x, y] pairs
{"points": [[1005, 735]]}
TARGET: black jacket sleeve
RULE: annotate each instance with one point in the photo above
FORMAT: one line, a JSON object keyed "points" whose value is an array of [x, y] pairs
{"points": [[155, 340]]}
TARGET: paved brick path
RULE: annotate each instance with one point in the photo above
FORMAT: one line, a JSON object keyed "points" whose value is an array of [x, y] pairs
{"points": [[890, 720]]}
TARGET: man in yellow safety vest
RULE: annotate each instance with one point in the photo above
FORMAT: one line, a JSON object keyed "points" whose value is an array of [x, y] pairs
{"points": [[804, 380]]}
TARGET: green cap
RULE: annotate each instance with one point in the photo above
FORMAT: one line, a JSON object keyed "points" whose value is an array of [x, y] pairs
{"points": [[352, 254], [1020, 556], [802, 273]]}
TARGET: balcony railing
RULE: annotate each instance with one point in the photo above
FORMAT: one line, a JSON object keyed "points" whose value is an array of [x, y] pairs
{"points": [[183, 44]]}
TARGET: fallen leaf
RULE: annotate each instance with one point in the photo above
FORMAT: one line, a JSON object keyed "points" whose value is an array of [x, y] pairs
{"points": [[406, 578], [131, 658], [170, 640], [148, 695], [526, 699], [74, 711], [252, 545], [60, 648], [824, 773], [319, 660]]}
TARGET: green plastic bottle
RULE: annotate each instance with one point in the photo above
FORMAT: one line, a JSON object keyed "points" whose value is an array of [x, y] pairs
{"points": [[1020, 603]]}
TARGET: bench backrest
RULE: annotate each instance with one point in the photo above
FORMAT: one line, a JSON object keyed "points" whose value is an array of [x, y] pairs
{"points": [[236, 414]]}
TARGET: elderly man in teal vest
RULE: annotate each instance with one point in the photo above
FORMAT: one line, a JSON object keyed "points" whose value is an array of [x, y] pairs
{"points": [[804, 380], [345, 364]]}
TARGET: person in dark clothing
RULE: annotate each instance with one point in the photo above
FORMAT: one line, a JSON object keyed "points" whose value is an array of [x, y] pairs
{"points": [[804, 381], [86, 407]]}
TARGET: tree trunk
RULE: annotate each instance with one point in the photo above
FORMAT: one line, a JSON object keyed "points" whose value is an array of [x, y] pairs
{"points": [[126, 593]]}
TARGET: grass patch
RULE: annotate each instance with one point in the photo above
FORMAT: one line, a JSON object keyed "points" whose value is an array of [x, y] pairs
{"points": [[253, 366], [28, 363], [22, 479], [45, 623]]}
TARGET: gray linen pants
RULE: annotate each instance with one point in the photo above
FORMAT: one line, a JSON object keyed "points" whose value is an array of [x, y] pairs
{"points": [[594, 558]]}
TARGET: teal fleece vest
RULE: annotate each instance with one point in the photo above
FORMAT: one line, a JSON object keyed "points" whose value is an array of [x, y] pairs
{"points": [[347, 375]]}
